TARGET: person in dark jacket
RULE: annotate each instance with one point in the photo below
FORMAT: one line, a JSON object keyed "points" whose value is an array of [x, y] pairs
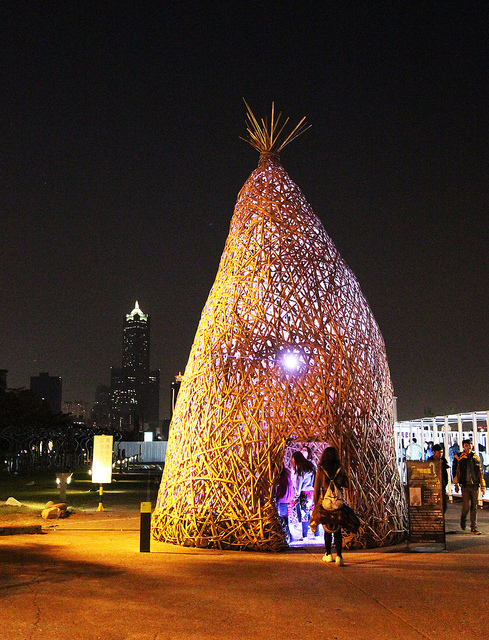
{"points": [[437, 454], [330, 469], [467, 473], [284, 495]]}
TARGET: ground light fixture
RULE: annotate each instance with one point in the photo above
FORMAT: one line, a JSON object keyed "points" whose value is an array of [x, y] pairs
{"points": [[63, 480]]}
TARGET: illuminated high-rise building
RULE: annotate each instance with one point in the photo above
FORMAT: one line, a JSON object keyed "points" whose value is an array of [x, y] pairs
{"points": [[134, 388]]}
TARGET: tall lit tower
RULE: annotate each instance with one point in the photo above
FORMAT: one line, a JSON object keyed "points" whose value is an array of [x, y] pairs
{"points": [[135, 342], [134, 388]]}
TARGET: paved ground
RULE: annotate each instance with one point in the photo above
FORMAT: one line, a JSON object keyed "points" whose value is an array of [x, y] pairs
{"points": [[85, 579]]}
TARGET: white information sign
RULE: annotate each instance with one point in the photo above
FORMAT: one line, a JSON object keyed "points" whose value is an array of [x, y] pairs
{"points": [[102, 459]]}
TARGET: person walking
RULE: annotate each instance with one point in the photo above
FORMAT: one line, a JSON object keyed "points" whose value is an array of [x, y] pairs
{"points": [[467, 473], [436, 456], [414, 451], [429, 451], [303, 481], [452, 452], [330, 471]]}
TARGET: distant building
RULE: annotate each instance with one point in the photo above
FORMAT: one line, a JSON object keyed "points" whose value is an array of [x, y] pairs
{"points": [[100, 414], [80, 410], [48, 388], [175, 388], [134, 389], [164, 429]]}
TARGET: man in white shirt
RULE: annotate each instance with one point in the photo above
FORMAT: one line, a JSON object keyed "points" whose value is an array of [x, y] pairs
{"points": [[414, 451]]}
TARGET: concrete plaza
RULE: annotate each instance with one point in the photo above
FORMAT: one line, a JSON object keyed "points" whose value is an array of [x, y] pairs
{"points": [[85, 579]]}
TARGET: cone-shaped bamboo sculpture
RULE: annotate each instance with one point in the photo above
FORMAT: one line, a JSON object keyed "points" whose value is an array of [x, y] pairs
{"points": [[287, 349]]}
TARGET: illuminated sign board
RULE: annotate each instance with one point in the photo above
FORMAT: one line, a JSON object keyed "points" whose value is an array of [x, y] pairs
{"points": [[102, 459]]}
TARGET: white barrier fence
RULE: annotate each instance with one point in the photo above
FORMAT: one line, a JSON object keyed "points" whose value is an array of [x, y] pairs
{"points": [[146, 452], [446, 430]]}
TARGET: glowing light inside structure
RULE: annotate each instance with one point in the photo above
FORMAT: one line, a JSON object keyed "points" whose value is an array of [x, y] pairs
{"points": [[291, 361]]}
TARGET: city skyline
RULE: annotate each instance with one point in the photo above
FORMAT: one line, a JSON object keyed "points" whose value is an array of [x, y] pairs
{"points": [[121, 165]]}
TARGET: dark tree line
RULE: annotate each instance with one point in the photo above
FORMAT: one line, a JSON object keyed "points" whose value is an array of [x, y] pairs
{"points": [[32, 437]]}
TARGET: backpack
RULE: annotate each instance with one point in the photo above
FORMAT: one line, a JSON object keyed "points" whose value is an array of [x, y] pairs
{"points": [[333, 496]]}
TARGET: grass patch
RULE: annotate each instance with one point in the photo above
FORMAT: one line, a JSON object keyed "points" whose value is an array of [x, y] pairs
{"points": [[125, 493]]}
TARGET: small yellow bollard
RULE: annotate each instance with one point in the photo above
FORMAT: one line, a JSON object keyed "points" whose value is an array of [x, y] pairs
{"points": [[100, 504]]}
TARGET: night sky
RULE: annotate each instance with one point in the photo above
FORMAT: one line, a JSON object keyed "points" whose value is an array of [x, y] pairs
{"points": [[121, 163]]}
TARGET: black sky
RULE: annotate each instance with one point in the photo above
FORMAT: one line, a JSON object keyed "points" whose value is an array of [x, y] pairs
{"points": [[121, 163]]}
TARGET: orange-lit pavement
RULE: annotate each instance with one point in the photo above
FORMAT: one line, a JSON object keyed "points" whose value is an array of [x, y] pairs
{"points": [[87, 580]]}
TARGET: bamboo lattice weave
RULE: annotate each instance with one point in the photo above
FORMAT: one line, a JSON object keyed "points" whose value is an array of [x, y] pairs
{"points": [[281, 289]]}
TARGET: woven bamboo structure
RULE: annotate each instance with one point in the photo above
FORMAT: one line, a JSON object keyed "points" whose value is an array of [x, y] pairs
{"points": [[287, 351]]}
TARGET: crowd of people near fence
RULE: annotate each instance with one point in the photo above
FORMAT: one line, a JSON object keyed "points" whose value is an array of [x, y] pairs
{"points": [[466, 471], [414, 451]]}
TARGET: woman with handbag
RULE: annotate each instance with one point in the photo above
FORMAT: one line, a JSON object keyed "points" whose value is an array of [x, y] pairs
{"points": [[330, 480]]}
